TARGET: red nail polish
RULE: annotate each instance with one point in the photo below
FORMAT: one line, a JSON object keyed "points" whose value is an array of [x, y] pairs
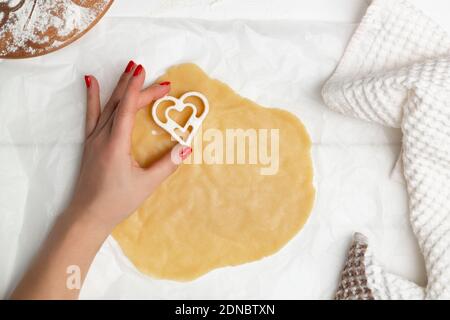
{"points": [[130, 66], [87, 80], [137, 71], [185, 152], [165, 83]]}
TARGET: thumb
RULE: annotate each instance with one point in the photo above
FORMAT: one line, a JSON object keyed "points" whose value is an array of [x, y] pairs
{"points": [[165, 166]]}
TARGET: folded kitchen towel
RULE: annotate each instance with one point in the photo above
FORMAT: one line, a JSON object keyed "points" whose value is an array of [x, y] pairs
{"points": [[396, 72]]}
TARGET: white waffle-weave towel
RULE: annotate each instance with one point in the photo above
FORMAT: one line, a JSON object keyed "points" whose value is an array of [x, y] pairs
{"points": [[396, 72]]}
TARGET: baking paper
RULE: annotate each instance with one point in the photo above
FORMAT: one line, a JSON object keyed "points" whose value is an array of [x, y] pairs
{"points": [[277, 64]]}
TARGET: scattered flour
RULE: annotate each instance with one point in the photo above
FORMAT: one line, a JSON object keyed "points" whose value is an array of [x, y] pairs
{"points": [[31, 27]]}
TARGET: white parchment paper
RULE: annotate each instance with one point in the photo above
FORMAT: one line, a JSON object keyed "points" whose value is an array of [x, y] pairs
{"points": [[278, 63]]}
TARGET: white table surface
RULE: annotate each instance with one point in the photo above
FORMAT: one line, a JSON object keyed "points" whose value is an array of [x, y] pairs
{"points": [[357, 190], [345, 11]]}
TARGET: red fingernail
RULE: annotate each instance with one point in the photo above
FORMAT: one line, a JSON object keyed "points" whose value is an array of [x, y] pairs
{"points": [[137, 71], [185, 152], [130, 66], [87, 79], [165, 83]]}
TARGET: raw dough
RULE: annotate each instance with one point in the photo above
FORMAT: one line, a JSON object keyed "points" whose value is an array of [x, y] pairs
{"points": [[207, 216]]}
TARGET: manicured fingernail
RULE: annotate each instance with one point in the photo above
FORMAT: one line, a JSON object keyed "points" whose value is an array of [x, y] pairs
{"points": [[130, 66], [185, 152], [137, 71], [87, 80], [165, 83]]}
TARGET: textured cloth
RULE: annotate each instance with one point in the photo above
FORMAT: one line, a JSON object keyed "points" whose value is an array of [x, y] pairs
{"points": [[396, 72], [354, 283]]}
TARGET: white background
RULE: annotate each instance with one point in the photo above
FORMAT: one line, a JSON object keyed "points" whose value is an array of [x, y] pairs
{"points": [[277, 53]]}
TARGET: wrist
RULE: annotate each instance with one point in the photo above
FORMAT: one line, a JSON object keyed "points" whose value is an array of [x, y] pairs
{"points": [[85, 219]]}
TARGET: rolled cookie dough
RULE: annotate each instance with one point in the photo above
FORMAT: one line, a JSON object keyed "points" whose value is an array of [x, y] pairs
{"points": [[207, 216]]}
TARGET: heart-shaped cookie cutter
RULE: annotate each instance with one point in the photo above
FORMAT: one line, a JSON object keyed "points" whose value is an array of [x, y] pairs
{"points": [[179, 105]]}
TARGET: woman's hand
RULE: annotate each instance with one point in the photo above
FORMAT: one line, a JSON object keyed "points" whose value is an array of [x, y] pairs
{"points": [[111, 185]]}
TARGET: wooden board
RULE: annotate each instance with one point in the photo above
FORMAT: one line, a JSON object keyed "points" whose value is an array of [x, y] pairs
{"points": [[30, 28]]}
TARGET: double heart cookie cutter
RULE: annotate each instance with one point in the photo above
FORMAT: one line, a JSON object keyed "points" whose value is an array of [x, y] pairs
{"points": [[179, 105]]}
